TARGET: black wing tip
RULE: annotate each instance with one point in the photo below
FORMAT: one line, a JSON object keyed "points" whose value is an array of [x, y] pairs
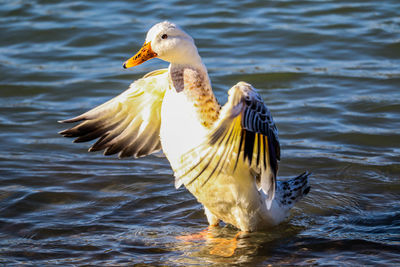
{"points": [[112, 150], [80, 139], [70, 132], [72, 120], [94, 149], [66, 133]]}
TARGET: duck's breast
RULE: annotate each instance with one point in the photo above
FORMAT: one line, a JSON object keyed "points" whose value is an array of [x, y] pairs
{"points": [[181, 130]]}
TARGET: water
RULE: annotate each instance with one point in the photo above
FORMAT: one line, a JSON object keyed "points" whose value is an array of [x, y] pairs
{"points": [[328, 70]]}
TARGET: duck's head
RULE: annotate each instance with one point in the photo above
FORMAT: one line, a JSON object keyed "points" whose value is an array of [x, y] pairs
{"points": [[168, 42]]}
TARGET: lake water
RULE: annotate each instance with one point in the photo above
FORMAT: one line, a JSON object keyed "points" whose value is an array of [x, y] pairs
{"points": [[328, 70]]}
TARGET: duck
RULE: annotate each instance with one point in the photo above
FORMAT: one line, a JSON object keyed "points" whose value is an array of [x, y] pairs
{"points": [[226, 156]]}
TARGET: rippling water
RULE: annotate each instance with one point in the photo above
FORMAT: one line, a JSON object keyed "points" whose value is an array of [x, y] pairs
{"points": [[328, 70]]}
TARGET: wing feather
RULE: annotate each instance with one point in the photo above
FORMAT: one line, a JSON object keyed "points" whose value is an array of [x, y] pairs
{"points": [[244, 134], [128, 124]]}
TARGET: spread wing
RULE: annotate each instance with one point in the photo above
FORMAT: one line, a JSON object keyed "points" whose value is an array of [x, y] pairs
{"points": [[245, 135], [128, 124]]}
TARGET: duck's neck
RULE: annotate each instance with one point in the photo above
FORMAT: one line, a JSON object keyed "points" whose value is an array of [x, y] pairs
{"points": [[188, 111], [193, 81]]}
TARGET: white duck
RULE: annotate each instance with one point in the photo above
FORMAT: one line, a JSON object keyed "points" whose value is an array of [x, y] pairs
{"points": [[227, 158]]}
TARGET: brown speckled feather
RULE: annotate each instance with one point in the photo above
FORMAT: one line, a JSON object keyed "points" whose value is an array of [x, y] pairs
{"points": [[196, 86]]}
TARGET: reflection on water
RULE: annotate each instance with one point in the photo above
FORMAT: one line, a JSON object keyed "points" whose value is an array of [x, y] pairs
{"points": [[329, 72]]}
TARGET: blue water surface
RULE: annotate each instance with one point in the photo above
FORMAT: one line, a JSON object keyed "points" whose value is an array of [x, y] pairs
{"points": [[328, 70]]}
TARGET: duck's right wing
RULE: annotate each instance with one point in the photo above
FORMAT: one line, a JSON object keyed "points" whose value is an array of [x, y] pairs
{"points": [[244, 135], [128, 124]]}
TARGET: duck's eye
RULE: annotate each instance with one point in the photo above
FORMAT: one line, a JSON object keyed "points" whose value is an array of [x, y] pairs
{"points": [[164, 36]]}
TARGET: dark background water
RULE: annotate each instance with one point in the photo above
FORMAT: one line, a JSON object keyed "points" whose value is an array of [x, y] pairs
{"points": [[328, 70]]}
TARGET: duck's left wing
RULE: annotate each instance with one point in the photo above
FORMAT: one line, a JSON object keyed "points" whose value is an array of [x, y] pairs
{"points": [[245, 134]]}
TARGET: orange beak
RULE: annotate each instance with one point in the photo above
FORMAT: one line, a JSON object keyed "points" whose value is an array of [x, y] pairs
{"points": [[145, 53]]}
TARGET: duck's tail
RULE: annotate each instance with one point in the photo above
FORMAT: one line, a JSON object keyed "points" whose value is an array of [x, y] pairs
{"points": [[291, 191]]}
